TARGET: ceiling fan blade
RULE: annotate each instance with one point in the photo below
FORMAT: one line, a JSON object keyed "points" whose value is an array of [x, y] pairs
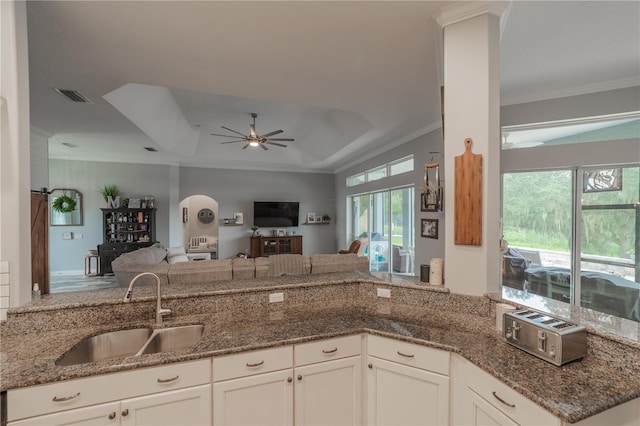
{"points": [[240, 140], [281, 139], [226, 136], [252, 131], [279, 144], [271, 134], [245, 147], [263, 147], [231, 130]]}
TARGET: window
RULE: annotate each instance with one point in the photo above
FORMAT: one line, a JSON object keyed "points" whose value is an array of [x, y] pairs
{"points": [[540, 227], [386, 218], [375, 174], [393, 168]]}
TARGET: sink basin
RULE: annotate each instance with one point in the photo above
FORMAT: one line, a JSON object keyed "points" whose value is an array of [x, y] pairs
{"points": [[169, 339], [134, 341], [113, 344]]}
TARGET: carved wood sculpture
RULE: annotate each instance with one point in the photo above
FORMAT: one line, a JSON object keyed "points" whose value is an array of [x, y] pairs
{"points": [[468, 197]]}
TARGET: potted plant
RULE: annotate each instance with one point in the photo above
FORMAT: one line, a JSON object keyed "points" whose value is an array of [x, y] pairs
{"points": [[326, 218], [254, 228], [111, 195]]}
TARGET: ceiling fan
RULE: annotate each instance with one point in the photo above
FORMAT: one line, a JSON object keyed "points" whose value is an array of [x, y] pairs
{"points": [[253, 139]]}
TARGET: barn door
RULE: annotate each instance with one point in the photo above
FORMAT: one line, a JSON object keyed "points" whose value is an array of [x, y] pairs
{"points": [[40, 241]]}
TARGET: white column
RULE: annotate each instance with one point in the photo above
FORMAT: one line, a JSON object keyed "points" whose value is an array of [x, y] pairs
{"points": [[471, 34], [15, 204]]}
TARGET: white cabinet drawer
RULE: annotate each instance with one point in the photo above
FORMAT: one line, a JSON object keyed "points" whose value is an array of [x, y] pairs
{"points": [[50, 398], [250, 363], [409, 354], [326, 350]]}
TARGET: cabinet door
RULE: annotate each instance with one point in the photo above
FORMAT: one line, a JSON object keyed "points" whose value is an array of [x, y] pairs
{"points": [[189, 406], [329, 393], [480, 412], [263, 399], [97, 415], [402, 395]]}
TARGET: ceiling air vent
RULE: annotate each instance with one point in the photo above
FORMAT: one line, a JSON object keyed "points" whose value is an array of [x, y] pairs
{"points": [[150, 149], [74, 95], [69, 145]]}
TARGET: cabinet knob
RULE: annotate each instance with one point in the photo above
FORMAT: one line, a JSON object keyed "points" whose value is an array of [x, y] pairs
{"points": [[125, 412], [112, 415], [289, 379], [299, 377], [370, 365]]}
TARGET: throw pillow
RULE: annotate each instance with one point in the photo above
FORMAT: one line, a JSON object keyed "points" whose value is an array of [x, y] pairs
{"points": [[176, 254]]}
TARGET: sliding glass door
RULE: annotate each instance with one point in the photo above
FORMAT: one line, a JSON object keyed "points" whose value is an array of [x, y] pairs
{"points": [[386, 218]]}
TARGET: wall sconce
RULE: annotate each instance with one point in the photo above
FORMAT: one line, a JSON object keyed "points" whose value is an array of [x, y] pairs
{"points": [[432, 191]]}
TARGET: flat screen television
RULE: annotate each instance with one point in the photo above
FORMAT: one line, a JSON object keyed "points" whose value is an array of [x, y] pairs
{"points": [[268, 214]]}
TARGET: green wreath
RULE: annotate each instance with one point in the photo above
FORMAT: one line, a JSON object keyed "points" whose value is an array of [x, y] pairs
{"points": [[64, 204]]}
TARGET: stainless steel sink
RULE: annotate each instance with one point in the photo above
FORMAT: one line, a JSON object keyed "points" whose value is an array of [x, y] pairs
{"points": [[169, 339], [113, 344], [135, 341]]}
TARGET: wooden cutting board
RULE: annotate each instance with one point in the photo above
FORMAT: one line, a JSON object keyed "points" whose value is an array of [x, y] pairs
{"points": [[468, 197]]}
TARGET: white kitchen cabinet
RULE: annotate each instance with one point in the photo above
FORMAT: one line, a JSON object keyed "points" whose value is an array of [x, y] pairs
{"points": [[184, 407], [407, 384], [190, 406], [154, 396], [328, 382], [254, 388], [329, 393], [322, 386], [480, 399], [265, 399]]}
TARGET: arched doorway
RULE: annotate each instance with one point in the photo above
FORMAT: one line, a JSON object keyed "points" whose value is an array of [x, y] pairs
{"points": [[200, 225]]}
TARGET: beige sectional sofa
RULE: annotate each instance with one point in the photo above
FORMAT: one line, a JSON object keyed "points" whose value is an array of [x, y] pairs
{"points": [[154, 259]]}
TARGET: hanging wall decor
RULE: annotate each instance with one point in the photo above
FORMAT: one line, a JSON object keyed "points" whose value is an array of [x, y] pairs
{"points": [[431, 197]]}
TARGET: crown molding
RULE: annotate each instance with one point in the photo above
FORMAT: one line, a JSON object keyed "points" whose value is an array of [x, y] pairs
{"points": [[41, 132], [570, 91], [459, 12]]}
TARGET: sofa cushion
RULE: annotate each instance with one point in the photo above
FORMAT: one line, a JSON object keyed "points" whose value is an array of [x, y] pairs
{"points": [[262, 267], [202, 271], [151, 255], [125, 272], [243, 268], [324, 263], [176, 254]]}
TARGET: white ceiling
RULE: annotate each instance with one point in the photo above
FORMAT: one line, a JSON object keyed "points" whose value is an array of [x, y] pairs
{"points": [[346, 79]]}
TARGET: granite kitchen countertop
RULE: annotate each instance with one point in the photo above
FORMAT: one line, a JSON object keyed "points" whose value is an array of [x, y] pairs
{"points": [[608, 376]]}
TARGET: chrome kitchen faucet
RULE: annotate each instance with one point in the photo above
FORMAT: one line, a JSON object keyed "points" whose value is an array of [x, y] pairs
{"points": [[160, 311]]}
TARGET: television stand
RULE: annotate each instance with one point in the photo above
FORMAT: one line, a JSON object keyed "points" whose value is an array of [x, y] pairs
{"points": [[267, 246]]}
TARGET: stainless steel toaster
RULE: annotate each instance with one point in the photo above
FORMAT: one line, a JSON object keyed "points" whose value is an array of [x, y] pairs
{"points": [[552, 339]]}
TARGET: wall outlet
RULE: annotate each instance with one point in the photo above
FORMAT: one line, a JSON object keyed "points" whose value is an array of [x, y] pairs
{"points": [[384, 292], [66, 235], [276, 297]]}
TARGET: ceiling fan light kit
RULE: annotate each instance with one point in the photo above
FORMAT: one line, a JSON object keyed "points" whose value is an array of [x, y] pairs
{"points": [[253, 139]]}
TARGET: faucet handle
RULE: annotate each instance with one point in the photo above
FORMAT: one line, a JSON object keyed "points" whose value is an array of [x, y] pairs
{"points": [[160, 312]]}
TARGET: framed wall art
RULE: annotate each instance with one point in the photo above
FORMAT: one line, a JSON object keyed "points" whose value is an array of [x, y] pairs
{"points": [[429, 228]]}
